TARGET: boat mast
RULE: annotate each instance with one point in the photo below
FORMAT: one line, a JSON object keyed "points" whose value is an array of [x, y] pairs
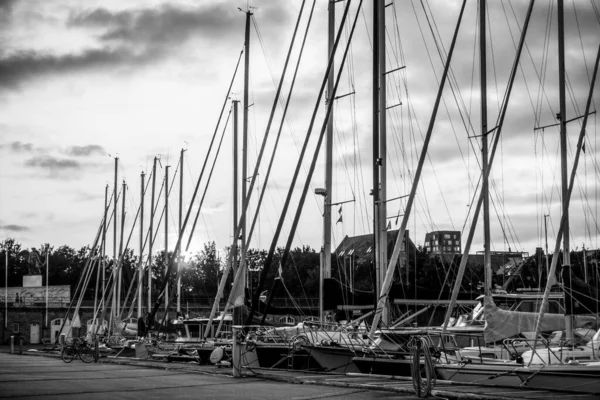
{"points": [[375, 192], [326, 264], [234, 261], [166, 254], [115, 306], [179, 231], [382, 153], [120, 264], [487, 264], [151, 236], [141, 262], [245, 196], [103, 252], [383, 294], [563, 149]]}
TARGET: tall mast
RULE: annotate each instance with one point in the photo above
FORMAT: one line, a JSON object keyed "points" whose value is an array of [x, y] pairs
{"points": [[382, 152], [326, 265], [151, 241], [103, 252], [234, 261], [487, 264], [375, 101], [120, 266], [141, 259], [179, 232], [245, 146], [563, 150], [115, 306], [166, 254], [563, 130]]}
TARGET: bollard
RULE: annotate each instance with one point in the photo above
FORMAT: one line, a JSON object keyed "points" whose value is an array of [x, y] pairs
{"points": [[96, 349], [62, 341], [12, 345], [21, 346], [236, 351]]}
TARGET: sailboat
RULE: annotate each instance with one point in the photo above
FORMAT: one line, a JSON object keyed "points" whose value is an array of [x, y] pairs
{"points": [[533, 369]]}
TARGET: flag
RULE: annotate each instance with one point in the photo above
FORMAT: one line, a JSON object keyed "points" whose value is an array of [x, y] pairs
{"points": [[389, 226], [340, 210], [340, 219]]}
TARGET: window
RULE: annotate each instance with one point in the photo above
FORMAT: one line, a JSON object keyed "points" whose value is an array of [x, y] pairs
{"points": [[456, 242], [446, 236], [15, 328], [437, 243], [370, 249]]}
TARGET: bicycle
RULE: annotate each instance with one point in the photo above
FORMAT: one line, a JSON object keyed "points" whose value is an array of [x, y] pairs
{"points": [[78, 348]]}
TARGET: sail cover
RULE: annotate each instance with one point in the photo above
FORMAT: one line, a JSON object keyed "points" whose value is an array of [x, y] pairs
{"points": [[501, 324]]}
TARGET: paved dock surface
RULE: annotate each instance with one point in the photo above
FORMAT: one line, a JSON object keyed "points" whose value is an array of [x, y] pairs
{"points": [[48, 377]]}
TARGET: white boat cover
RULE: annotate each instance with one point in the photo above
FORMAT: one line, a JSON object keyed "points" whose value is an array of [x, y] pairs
{"points": [[501, 324]]}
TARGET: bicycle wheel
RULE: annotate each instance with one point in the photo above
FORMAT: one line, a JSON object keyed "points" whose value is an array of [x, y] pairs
{"points": [[68, 353], [86, 353]]}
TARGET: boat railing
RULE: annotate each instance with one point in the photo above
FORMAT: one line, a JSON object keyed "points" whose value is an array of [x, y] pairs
{"points": [[330, 334]]}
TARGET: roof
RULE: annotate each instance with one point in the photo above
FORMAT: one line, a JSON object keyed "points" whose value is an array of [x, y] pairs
{"points": [[362, 246]]}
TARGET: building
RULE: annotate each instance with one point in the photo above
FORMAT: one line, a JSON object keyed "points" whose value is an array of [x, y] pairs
{"points": [[443, 242]]}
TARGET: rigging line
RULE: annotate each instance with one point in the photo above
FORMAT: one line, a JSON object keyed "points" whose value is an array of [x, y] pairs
{"points": [[452, 80], [287, 103], [212, 168], [454, 86], [180, 236], [269, 259]]}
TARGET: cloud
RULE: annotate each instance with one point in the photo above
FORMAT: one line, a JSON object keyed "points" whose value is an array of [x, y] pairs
{"points": [[82, 151], [160, 26], [132, 38], [56, 167], [18, 147], [24, 65], [14, 228]]}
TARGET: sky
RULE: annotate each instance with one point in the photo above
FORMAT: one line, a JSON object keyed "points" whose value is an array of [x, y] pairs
{"points": [[83, 83]]}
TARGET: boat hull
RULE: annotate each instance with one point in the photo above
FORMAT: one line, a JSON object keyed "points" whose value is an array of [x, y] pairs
{"points": [[383, 366], [576, 378], [482, 374], [282, 356], [333, 358]]}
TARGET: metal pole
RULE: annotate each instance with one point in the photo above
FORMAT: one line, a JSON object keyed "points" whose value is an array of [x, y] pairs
{"points": [[151, 236], [120, 266], [141, 262], [47, 276], [563, 149], [115, 278], [245, 137], [326, 265], [6, 287], [383, 258], [484, 148], [375, 100], [180, 233], [546, 234], [104, 245], [166, 254], [234, 261]]}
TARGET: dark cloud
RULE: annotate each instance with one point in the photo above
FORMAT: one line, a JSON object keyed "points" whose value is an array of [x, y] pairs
{"points": [[160, 26], [26, 64], [88, 150], [133, 38], [18, 147], [52, 164], [14, 228]]}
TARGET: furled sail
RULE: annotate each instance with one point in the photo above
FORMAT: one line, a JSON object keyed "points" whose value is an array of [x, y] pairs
{"points": [[501, 324]]}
